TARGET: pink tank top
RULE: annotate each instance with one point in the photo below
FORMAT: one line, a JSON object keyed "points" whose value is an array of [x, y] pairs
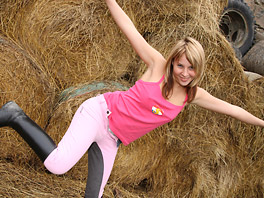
{"points": [[139, 110]]}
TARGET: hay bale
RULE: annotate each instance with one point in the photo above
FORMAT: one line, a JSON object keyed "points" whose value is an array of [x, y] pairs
{"points": [[73, 41], [23, 82]]}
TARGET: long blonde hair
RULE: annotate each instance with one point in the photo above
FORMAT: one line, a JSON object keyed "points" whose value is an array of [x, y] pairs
{"points": [[195, 55]]}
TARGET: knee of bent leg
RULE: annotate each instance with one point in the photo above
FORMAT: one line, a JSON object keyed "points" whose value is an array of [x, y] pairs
{"points": [[56, 168], [56, 165]]}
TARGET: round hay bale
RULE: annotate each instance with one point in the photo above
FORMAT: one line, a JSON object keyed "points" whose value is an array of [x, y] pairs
{"points": [[74, 41], [23, 82]]}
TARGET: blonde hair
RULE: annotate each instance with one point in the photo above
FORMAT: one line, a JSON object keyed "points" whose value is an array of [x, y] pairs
{"points": [[195, 55]]}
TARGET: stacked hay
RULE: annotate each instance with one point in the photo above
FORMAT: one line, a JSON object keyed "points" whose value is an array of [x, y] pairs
{"points": [[200, 153], [73, 40]]}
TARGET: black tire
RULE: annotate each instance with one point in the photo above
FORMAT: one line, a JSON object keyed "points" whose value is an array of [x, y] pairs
{"points": [[238, 25]]}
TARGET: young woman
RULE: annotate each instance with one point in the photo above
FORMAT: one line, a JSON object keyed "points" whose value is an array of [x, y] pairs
{"points": [[101, 123]]}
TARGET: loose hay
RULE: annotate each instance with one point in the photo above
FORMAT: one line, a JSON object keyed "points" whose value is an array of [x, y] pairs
{"points": [[200, 153], [27, 182]]}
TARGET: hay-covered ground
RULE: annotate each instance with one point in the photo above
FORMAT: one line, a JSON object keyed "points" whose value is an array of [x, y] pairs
{"points": [[48, 46]]}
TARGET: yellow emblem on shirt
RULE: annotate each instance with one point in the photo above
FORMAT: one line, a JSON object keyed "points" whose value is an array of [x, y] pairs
{"points": [[157, 110]]}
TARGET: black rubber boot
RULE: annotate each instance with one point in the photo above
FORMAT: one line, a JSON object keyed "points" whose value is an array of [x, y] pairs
{"points": [[13, 116]]}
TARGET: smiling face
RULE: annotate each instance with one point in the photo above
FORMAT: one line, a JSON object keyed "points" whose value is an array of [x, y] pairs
{"points": [[184, 67], [183, 71]]}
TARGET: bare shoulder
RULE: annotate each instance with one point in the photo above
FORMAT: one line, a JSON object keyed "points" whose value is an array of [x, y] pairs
{"points": [[201, 94]]}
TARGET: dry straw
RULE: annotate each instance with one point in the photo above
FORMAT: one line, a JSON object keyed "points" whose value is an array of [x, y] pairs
{"points": [[199, 154], [18, 182], [73, 41]]}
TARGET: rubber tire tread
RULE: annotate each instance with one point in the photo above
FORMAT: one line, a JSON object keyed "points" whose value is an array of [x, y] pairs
{"points": [[242, 7]]}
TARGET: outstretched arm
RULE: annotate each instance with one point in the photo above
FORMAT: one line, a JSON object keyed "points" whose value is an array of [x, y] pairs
{"points": [[206, 100], [148, 54]]}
